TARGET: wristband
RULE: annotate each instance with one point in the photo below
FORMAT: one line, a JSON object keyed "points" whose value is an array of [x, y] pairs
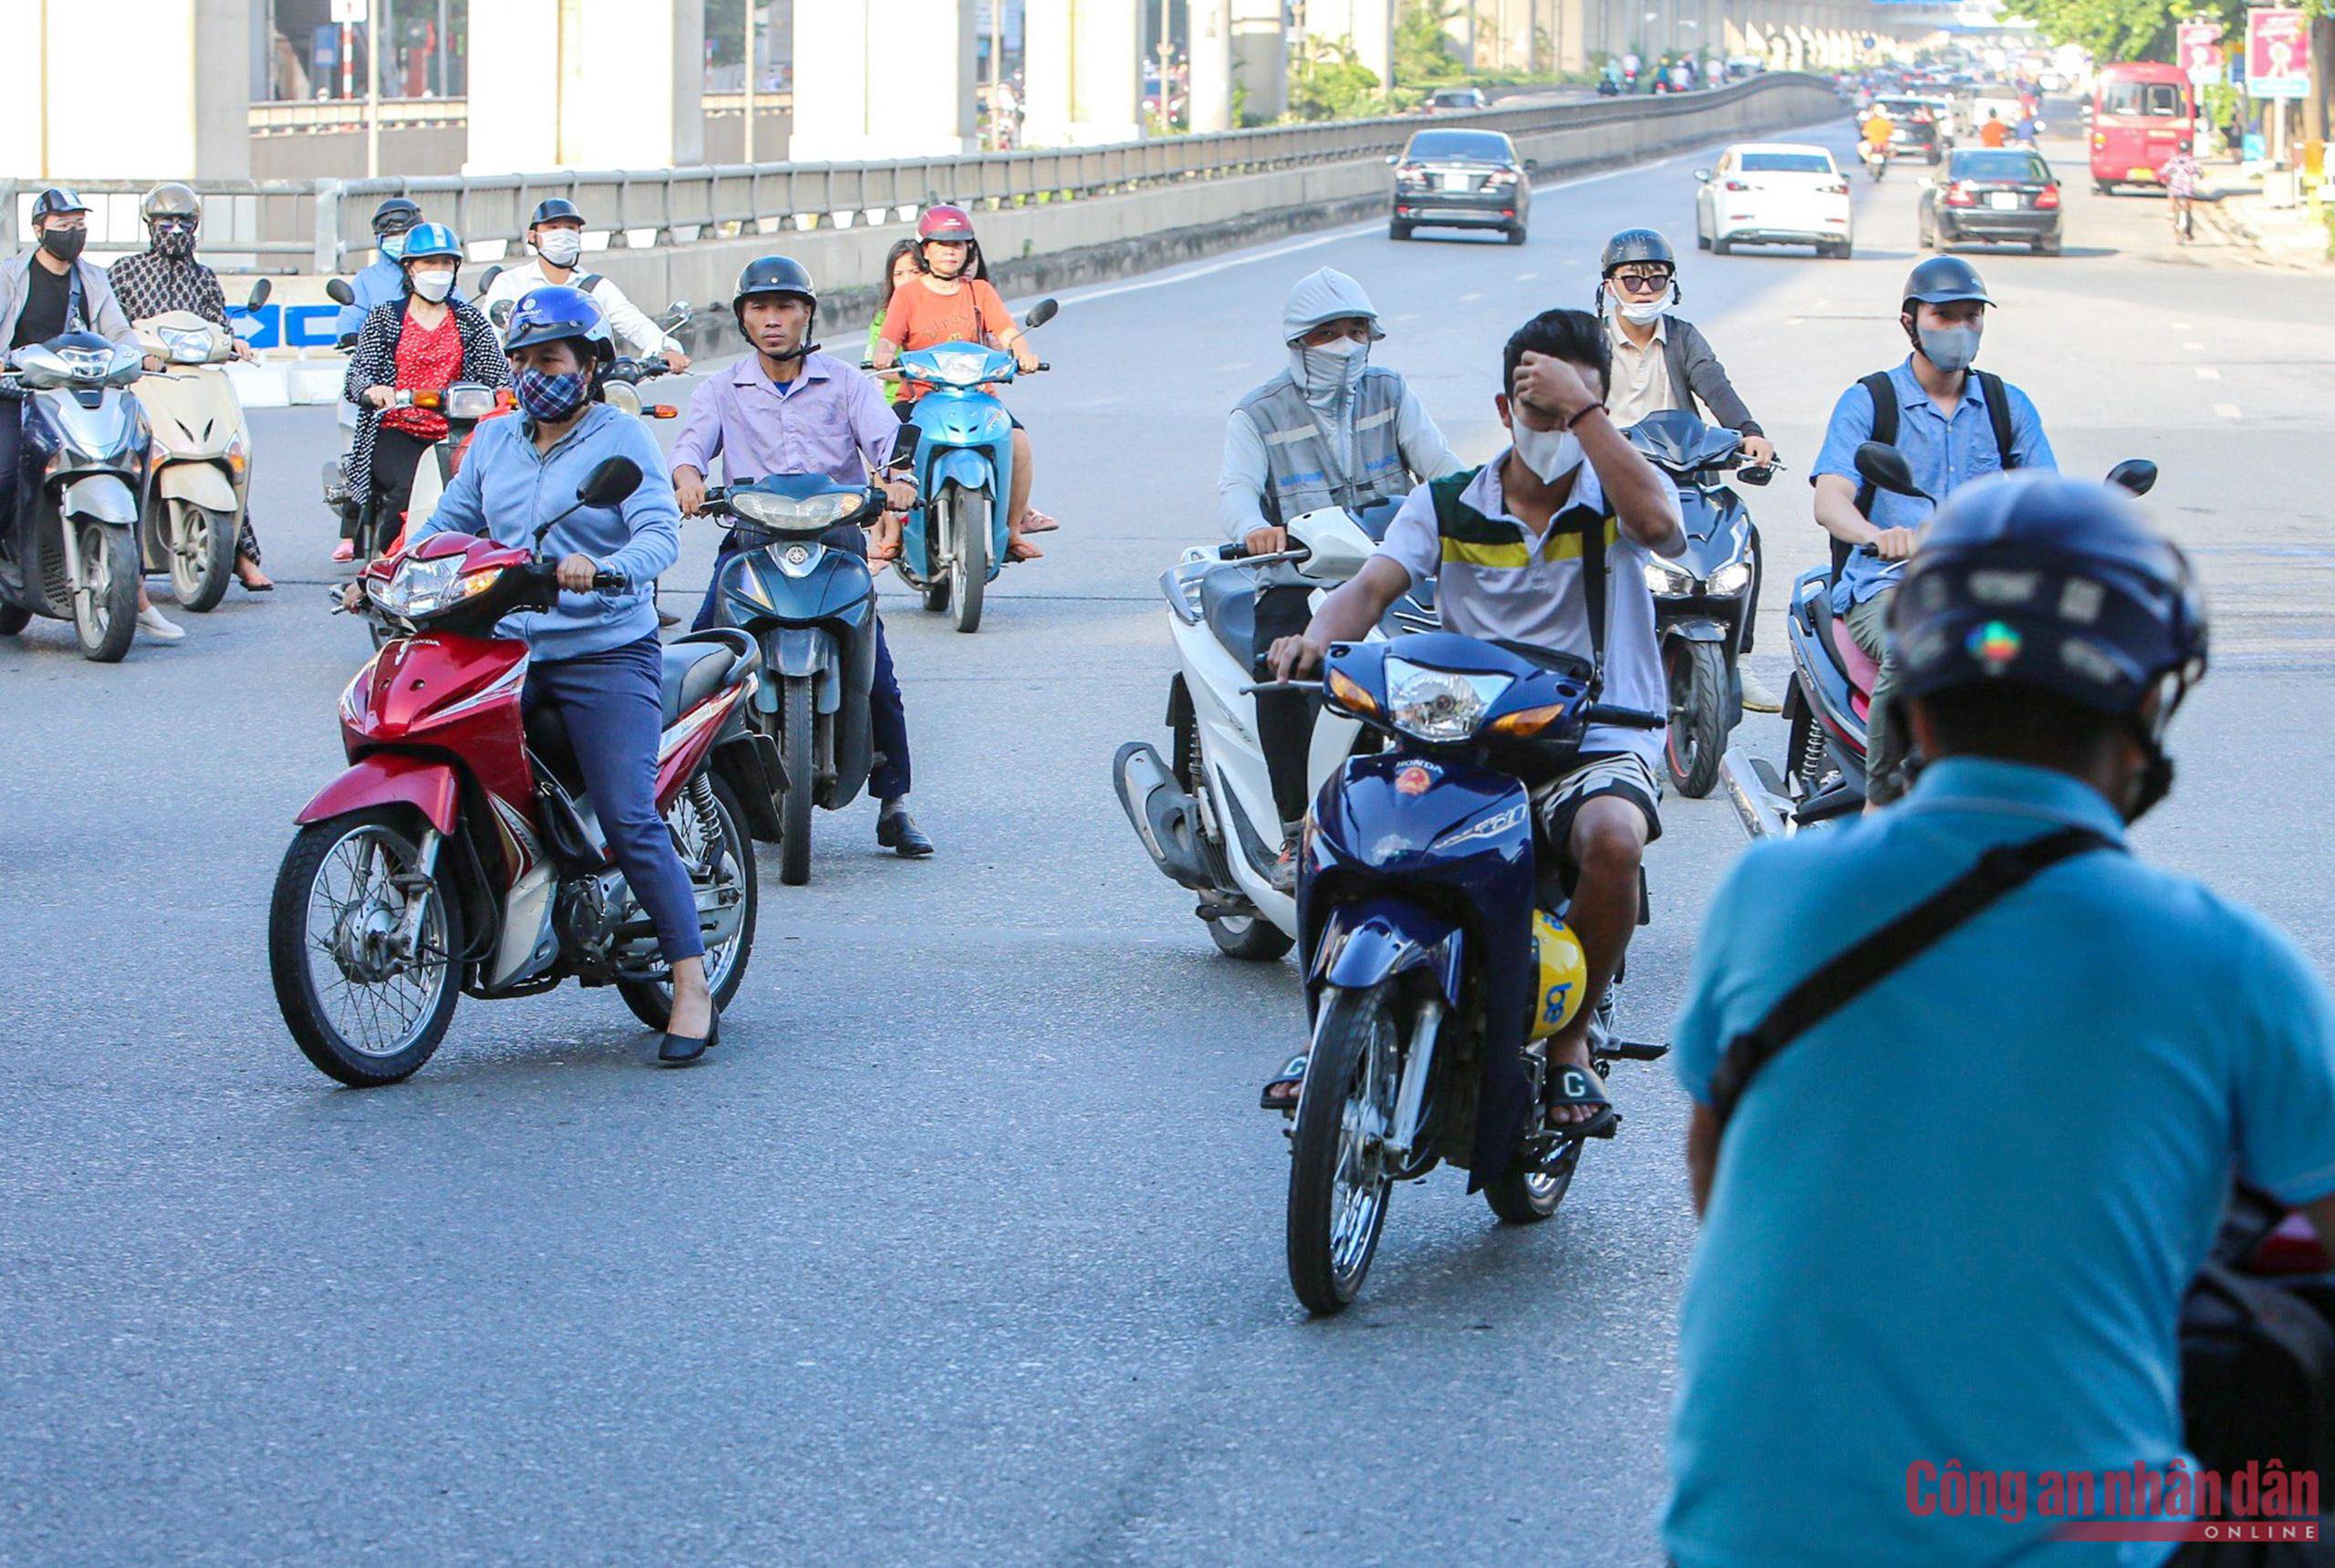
{"points": [[1583, 414]]}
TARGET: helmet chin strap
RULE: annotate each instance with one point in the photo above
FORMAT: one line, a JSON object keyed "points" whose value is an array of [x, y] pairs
{"points": [[797, 352]]}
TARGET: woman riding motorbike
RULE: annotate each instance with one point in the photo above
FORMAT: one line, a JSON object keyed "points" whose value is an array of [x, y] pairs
{"points": [[425, 341], [595, 658]]}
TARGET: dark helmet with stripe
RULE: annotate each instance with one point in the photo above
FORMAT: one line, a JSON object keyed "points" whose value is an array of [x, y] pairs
{"points": [[553, 209], [395, 215], [1944, 280], [57, 199]]}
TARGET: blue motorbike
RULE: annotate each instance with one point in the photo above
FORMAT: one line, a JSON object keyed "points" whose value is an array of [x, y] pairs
{"points": [[1437, 960], [953, 545]]}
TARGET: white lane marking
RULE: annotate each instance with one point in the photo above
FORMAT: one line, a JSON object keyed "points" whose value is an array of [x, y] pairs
{"points": [[1525, 277], [2227, 410], [2207, 373], [2181, 326]]}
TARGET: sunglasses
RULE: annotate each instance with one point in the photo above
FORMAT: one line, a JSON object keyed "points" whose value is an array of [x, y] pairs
{"points": [[1641, 282]]}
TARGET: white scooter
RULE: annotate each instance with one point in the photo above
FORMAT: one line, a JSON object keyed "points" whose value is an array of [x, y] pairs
{"points": [[1207, 817], [198, 473]]}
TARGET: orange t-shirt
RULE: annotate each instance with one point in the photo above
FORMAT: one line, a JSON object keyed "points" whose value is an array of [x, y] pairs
{"points": [[918, 317], [1993, 133]]}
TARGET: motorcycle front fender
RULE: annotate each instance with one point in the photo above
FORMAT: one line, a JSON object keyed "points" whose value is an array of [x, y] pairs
{"points": [[798, 650], [1697, 628], [1379, 938], [962, 466], [390, 778], [203, 484], [99, 498]]}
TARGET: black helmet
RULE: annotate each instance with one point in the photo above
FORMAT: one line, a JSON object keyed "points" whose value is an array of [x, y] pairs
{"points": [[57, 199], [554, 207], [1944, 280], [1636, 246], [2053, 585], [396, 216], [773, 274], [171, 198]]}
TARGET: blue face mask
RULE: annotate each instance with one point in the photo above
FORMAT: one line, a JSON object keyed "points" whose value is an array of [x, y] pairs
{"points": [[549, 399], [393, 245]]}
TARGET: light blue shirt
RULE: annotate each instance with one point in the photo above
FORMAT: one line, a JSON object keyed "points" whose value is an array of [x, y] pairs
{"points": [[505, 490], [1956, 1220], [377, 284], [1945, 456]]}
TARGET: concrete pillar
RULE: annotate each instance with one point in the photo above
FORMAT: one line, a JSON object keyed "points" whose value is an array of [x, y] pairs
{"points": [[576, 84], [1572, 36], [883, 79], [181, 110], [1365, 25], [1460, 31], [1084, 72], [1211, 40], [1260, 59]]}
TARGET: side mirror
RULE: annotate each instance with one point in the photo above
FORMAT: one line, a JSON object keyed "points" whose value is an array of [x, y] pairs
{"points": [[904, 446], [500, 314], [338, 292], [1531, 165], [1702, 176], [1884, 467], [2137, 475], [486, 279], [260, 291], [1046, 310], [1390, 157], [611, 484]]}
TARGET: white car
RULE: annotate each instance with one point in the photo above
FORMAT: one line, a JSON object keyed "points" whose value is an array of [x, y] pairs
{"points": [[1774, 193]]}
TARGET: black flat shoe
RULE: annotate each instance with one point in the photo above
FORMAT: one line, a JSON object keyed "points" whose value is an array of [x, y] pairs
{"points": [[897, 831], [681, 1049]]}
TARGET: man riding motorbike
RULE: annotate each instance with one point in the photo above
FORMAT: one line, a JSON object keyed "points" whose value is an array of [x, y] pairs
{"points": [[48, 291], [1952, 1193], [382, 282], [165, 276], [1663, 362], [1954, 424], [595, 656], [1876, 131], [788, 409], [555, 233], [1332, 429], [1506, 543]]}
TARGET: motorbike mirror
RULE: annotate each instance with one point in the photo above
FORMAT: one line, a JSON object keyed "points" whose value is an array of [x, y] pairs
{"points": [[1336, 544], [904, 446], [1531, 165], [1702, 176], [613, 481], [500, 314], [260, 291], [1046, 310], [1390, 157], [2137, 475], [486, 279], [338, 292], [1884, 467]]}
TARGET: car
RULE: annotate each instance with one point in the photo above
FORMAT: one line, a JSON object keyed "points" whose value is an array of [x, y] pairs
{"points": [[1913, 127], [1457, 100], [1739, 67], [1993, 194], [1461, 180], [1774, 193]]}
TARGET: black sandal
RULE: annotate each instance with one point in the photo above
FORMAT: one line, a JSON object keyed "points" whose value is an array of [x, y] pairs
{"points": [[1573, 1085], [1281, 1088]]}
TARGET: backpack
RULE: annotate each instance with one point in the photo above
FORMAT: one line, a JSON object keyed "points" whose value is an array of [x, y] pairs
{"points": [[1883, 393]]}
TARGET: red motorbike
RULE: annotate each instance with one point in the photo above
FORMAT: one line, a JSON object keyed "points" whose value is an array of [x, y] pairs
{"points": [[458, 852]]}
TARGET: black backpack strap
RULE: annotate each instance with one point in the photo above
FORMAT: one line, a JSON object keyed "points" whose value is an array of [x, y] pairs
{"points": [[588, 282], [1997, 414], [1883, 393], [2001, 870]]}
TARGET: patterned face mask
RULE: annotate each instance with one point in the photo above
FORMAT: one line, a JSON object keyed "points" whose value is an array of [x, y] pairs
{"points": [[174, 241], [549, 399]]}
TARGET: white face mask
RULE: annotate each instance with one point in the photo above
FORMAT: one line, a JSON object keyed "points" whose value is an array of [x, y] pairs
{"points": [[1330, 370], [1642, 312], [560, 246], [435, 283], [1551, 454]]}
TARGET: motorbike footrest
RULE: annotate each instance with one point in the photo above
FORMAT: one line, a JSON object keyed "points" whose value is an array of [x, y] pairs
{"points": [[1635, 1051]]}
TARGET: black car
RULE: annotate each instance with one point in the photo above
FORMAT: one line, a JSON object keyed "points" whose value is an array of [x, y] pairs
{"points": [[1993, 194], [1912, 128], [1461, 180]]}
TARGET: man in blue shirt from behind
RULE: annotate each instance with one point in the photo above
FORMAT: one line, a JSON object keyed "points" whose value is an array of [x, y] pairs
{"points": [[1952, 1221]]}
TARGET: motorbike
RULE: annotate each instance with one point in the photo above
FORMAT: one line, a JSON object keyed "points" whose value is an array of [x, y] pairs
{"points": [[1608, 88], [198, 482], [808, 601], [81, 465], [1207, 819], [1437, 960], [1876, 160], [1701, 599], [953, 545], [1830, 694]]}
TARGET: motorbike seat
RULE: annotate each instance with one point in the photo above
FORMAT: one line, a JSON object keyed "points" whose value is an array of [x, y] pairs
{"points": [[700, 663], [1856, 662], [1229, 605]]}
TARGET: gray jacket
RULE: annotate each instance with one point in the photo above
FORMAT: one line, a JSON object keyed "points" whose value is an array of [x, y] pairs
{"points": [[1697, 376], [99, 308]]}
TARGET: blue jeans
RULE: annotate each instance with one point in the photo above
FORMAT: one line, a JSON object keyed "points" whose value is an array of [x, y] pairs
{"points": [[887, 712], [613, 707]]}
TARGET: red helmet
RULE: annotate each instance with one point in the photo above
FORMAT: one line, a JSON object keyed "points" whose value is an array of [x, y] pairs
{"points": [[945, 223]]}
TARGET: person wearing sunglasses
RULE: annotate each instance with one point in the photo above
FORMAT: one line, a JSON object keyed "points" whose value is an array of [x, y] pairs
{"points": [[1661, 362]]}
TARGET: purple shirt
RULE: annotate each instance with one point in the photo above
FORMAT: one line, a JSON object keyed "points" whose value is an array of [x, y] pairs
{"points": [[829, 419]]}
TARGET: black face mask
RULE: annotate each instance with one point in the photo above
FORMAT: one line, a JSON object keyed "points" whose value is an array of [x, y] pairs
{"points": [[65, 245], [173, 241]]}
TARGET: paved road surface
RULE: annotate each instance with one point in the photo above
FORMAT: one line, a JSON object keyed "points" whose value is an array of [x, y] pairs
{"points": [[967, 1245]]}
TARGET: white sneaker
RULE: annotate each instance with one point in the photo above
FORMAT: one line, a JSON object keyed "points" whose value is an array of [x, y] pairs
{"points": [[1755, 695], [154, 624]]}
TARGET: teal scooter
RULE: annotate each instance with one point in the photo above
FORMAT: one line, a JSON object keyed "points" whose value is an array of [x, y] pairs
{"points": [[954, 544]]}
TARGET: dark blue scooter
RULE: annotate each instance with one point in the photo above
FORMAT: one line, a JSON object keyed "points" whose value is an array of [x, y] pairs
{"points": [[1436, 960]]}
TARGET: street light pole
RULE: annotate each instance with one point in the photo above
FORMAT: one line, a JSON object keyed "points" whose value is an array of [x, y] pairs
{"points": [[748, 155], [372, 89]]}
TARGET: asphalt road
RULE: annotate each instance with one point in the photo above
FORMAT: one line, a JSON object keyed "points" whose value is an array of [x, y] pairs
{"points": [[967, 1242]]}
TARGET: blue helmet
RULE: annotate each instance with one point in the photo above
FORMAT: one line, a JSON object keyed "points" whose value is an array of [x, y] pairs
{"points": [[554, 311], [431, 240]]}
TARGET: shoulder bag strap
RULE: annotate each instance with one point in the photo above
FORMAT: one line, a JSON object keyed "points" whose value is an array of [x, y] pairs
{"points": [[2000, 871], [1883, 393], [1997, 414]]}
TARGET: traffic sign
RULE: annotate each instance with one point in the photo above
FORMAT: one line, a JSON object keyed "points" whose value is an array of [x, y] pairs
{"points": [[347, 11], [2278, 53]]}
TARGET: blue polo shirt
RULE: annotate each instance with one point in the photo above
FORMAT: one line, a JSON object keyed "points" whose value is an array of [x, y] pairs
{"points": [[1943, 453], [1956, 1220]]}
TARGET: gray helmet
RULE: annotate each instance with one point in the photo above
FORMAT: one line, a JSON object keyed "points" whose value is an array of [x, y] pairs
{"points": [[1646, 246], [1944, 280], [170, 200]]}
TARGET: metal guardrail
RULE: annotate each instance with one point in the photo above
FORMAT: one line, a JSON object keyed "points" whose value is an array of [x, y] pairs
{"points": [[291, 116], [328, 223]]}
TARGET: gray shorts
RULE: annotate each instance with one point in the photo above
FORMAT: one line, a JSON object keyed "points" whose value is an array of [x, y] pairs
{"points": [[1557, 801]]}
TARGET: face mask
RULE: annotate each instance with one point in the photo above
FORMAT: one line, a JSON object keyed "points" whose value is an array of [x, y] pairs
{"points": [[1551, 454], [560, 246], [174, 243], [548, 399], [1331, 370], [434, 284], [392, 246], [1642, 312], [1950, 349], [65, 245]]}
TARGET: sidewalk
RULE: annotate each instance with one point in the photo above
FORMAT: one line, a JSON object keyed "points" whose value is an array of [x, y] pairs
{"points": [[2295, 237]]}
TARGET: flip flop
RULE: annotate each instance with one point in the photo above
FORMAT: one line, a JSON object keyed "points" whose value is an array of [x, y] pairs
{"points": [[1575, 1085], [1280, 1089], [1036, 521]]}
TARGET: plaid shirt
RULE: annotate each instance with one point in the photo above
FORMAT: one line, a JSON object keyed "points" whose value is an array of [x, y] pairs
{"points": [[2181, 171], [150, 284]]}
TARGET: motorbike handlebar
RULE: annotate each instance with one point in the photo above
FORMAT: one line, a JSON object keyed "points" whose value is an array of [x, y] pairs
{"points": [[1626, 718], [610, 582]]}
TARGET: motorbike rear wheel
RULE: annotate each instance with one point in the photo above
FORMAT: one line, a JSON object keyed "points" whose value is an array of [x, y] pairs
{"points": [[1697, 674], [13, 618], [1337, 1187], [797, 744], [729, 848], [371, 1017], [1250, 938], [105, 607], [969, 540], [202, 545]]}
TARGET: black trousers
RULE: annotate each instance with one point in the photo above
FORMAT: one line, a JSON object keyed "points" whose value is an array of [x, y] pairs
{"points": [[1285, 719], [12, 431], [1751, 604], [396, 455]]}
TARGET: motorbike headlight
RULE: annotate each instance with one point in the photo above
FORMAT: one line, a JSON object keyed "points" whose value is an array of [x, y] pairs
{"points": [[1438, 704], [796, 513], [188, 347], [1661, 577], [960, 370], [469, 401], [1732, 578], [425, 587]]}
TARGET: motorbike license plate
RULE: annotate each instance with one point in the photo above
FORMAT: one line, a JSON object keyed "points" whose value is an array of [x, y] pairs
{"points": [[2004, 201], [1457, 181]]}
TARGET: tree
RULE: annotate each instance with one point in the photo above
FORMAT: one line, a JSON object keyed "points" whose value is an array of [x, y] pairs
{"points": [[1329, 82], [1422, 48], [2143, 29]]}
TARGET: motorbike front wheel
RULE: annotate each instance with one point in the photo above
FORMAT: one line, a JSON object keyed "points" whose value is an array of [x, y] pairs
{"points": [[1697, 674], [724, 848], [364, 1007], [202, 545], [105, 607], [1338, 1185], [13, 618], [797, 744], [1250, 938], [968, 536]]}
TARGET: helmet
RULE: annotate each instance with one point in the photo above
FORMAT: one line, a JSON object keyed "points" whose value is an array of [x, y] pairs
{"points": [[1325, 295], [1646, 246], [54, 200], [431, 240], [396, 216], [1945, 280], [946, 223], [554, 311], [553, 208], [170, 200], [773, 274]]}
